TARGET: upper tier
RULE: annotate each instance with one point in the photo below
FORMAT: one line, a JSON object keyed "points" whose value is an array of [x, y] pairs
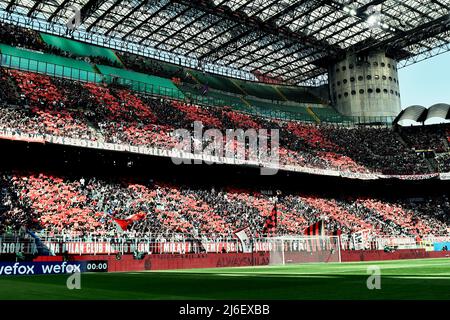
{"points": [[34, 103], [308, 104]]}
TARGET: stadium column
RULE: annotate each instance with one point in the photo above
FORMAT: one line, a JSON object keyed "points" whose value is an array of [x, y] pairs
{"points": [[365, 86]]}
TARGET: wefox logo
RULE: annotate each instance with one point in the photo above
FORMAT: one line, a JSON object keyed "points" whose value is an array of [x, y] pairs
{"points": [[38, 268], [63, 268], [17, 269], [211, 146]]}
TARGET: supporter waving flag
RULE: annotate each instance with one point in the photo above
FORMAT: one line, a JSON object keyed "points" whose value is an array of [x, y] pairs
{"points": [[121, 224], [137, 216]]}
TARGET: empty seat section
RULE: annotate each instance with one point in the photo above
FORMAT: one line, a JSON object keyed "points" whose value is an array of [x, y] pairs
{"points": [[328, 114], [80, 48], [298, 94], [282, 110], [216, 82], [141, 82], [262, 91]]}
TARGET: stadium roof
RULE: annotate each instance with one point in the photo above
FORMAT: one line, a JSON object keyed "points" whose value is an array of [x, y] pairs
{"points": [[291, 40], [420, 114]]}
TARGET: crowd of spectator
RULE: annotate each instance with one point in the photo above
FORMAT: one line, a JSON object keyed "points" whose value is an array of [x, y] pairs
{"points": [[377, 148], [13, 216], [426, 138], [18, 36], [96, 112], [36, 103], [87, 205], [443, 161]]}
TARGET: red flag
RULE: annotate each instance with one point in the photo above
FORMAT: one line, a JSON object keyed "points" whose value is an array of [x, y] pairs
{"points": [[122, 223], [137, 216]]}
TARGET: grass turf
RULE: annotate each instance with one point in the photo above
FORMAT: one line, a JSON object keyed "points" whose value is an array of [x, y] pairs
{"points": [[402, 279]]}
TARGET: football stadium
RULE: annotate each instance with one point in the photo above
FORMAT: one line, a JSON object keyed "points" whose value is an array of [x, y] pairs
{"points": [[221, 150]]}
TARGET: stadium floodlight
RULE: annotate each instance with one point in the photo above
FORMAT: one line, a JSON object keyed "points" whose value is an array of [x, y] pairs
{"points": [[304, 249], [351, 11], [373, 20], [385, 26]]}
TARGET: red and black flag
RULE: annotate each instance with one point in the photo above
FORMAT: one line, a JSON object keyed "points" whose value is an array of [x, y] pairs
{"points": [[270, 225], [316, 229]]}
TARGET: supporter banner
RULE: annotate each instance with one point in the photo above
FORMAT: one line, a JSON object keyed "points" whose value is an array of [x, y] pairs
{"points": [[444, 176], [87, 247], [182, 247], [397, 242], [260, 246], [437, 238], [361, 176], [412, 177], [308, 244], [14, 135], [315, 171], [14, 247], [39, 268], [10, 134], [361, 239]]}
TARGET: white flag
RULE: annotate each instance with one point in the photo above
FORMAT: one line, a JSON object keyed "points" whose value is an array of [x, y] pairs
{"points": [[244, 236]]}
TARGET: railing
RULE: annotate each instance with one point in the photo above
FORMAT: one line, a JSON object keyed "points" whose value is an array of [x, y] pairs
{"points": [[71, 73], [184, 243]]}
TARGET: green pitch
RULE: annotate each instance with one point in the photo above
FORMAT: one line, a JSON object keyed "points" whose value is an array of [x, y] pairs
{"points": [[403, 279]]}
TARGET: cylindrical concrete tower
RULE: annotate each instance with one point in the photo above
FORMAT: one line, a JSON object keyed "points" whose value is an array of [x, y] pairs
{"points": [[365, 86]]}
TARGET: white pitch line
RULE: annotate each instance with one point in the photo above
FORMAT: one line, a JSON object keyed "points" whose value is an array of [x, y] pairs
{"points": [[415, 277], [274, 275]]}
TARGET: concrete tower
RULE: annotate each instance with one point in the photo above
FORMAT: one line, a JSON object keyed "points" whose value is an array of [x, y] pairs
{"points": [[365, 86]]}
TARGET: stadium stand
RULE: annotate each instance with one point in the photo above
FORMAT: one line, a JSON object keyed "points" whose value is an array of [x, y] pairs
{"points": [[109, 100], [329, 115], [48, 107], [141, 81], [426, 137], [46, 63], [115, 114], [150, 66], [17, 36], [154, 76], [87, 205], [98, 55], [443, 161], [265, 139]]}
